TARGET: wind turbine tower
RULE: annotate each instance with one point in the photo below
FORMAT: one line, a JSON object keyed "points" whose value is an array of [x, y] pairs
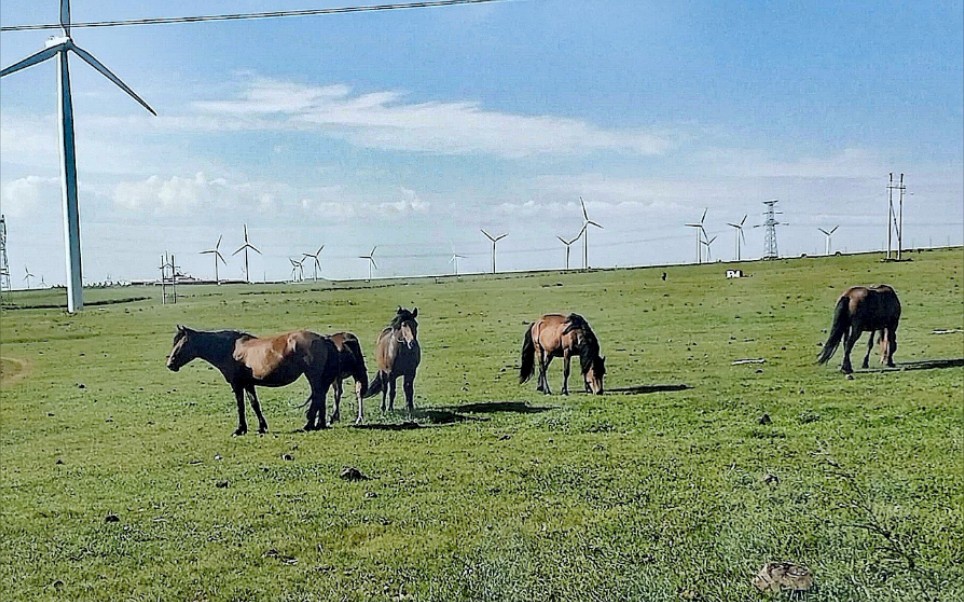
{"points": [[4, 264], [27, 276], [739, 236], [297, 270], [314, 256], [586, 222], [709, 251], [828, 235], [700, 236], [568, 244], [494, 240], [60, 47], [247, 245], [217, 256], [371, 262], [455, 260]]}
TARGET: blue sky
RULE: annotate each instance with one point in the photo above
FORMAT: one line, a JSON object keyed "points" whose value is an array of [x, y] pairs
{"points": [[411, 130]]}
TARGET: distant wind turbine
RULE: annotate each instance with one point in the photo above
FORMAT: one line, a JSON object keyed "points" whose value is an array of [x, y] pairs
{"points": [[828, 235], [217, 255], [60, 47], [709, 252], [494, 240], [586, 222], [371, 262], [700, 237], [314, 256], [247, 245], [739, 235], [297, 270], [27, 276], [568, 244], [455, 260]]}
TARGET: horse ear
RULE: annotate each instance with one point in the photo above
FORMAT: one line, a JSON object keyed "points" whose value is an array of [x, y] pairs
{"points": [[180, 328], [415, 313], [399, 310]]}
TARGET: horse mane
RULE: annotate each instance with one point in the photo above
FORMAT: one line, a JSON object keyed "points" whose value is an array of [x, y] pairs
{"points": [[401, 317], [589, 348]]}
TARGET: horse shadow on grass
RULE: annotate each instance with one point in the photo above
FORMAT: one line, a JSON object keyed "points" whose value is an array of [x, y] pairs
{"points": [[937, 364], [435, 417], [644, 389]]}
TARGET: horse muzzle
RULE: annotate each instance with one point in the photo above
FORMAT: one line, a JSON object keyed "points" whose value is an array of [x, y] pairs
{"points": [[172, 367]]}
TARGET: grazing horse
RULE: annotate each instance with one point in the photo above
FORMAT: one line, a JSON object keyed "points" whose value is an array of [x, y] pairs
{"points": [[397, 353], [860, 309], [351, 362], [247, 361], [555, 335]]}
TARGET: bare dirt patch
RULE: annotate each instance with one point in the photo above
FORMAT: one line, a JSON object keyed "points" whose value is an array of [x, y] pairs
{"points": [[13, 370]]}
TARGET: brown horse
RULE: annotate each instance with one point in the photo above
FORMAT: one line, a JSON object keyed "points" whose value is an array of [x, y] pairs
{"points": [[351, 362], [860, 309], [247, 361], [555, 335], [397, 353]]}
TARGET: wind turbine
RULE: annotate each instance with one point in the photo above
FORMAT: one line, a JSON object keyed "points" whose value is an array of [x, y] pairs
{"points": [[59, 47], [296, 269], [217, 255], [739, 235], [27, 276], [455, 260], [568, 244], [247, 245], [586, 222], [707, 243], [494, 240], [315, 257], [371, 262], [700, 236], [828, 235]]}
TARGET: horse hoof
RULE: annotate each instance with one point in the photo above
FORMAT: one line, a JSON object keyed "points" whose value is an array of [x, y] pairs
{"points": [[308, 427], [335, 418], [240, 432]]}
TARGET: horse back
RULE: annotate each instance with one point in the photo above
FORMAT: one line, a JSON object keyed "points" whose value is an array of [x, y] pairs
{"points": [[877, 305], [281, 359], [549, 333]]}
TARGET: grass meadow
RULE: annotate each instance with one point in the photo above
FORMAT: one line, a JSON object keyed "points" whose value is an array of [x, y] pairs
{"points": [[668, 487]]}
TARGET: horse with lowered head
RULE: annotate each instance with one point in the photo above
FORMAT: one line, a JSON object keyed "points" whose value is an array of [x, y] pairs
{"points": [[555, 335], [397, 354], [859, 309], [247, 361]]}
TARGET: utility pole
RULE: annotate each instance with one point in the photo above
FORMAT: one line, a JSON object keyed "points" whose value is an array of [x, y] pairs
{"points": [[900, 216], [163, 269], [895, 221], [4, 264]]}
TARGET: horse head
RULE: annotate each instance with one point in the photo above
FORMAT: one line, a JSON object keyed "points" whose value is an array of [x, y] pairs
{"points": [[184, 349], [594, 375], [405, 326]]}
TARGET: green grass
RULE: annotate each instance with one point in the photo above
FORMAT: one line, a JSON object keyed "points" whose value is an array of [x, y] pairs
{"points": [[503, 494]]}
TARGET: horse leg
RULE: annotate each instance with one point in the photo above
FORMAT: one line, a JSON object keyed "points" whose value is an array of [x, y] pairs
{"points": [[566, 359], [408, 384], [312, 413], [256, 406], [384, 376], [850, 339], [361, 403], [391, 393], [891, 345], [544, 362], [239, 397], [337, 389], [870, 347]]}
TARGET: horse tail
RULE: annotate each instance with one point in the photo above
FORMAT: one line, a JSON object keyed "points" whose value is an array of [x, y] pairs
{"points": [[375, 386], [528, 357], [841, 322]]}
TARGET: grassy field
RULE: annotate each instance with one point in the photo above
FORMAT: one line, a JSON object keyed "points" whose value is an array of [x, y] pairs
{"points": [[653, 491]]}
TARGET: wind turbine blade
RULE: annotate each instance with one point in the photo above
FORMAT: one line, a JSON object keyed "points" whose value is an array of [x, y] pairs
{"points": [[585, 215], [89, 58], [255, 249], [742, 235], [221, 257], [373, 251], [373, 262], [65, 16], [500, 237], [487, 235], [219, 242], [824, 231], [704, 215], [592, 223], [834, 229], [564, 241], [239, 250], [319, 250], [33, 59]]}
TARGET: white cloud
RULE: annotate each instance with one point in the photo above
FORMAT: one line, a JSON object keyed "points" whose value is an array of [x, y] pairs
{"points": [[31, 196], [384, 120]]}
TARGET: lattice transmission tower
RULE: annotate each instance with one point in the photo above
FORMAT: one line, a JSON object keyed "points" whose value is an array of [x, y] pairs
{"points": [[4, 264], [771, 223]]}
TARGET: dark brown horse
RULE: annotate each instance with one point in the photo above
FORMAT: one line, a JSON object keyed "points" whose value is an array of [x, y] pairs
{"points": [[351, 362], [247, 361], [397, 354], [555, 335], [860, 309]]}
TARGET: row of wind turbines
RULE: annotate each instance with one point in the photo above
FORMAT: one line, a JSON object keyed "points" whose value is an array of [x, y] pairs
{"points": [[703, 239]]}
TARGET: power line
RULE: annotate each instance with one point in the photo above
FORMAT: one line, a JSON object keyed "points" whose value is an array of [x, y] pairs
{"points": [[248, 16]]}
